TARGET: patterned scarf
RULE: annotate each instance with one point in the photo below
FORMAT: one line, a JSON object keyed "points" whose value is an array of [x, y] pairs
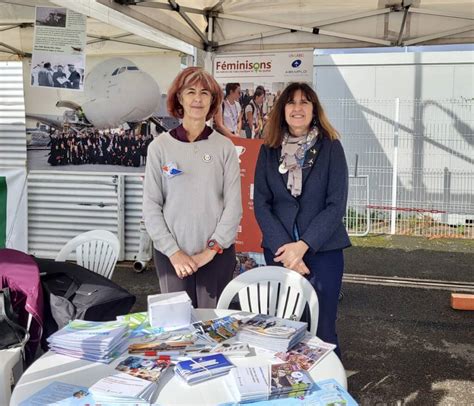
{"points": [[293, 151]]}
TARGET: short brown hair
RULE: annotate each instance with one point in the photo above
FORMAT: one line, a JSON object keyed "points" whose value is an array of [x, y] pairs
{"points": [[277, 126], [190, 77]]}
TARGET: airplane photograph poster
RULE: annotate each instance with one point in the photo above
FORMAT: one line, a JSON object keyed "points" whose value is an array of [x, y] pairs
{"points": [[58, 59], [99, 129]]}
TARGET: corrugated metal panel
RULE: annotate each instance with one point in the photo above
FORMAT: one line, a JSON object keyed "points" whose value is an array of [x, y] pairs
{"points": [[133, 214], [62, 205], [12, 115]]}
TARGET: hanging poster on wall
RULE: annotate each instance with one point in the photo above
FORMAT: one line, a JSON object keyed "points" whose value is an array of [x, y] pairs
{"points": [[108, 129], [59, 57]]}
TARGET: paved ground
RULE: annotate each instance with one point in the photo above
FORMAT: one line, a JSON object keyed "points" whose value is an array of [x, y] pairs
{"points": [[401, 345]]}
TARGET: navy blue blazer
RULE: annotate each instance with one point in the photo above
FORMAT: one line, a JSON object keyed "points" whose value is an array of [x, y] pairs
{"points": [[317, 212]]}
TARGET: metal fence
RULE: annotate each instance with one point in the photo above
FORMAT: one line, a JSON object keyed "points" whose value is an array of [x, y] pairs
{"points": [[412, 165]]}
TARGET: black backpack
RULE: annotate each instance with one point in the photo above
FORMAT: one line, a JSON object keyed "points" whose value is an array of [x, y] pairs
{"points": [[72, 292]]}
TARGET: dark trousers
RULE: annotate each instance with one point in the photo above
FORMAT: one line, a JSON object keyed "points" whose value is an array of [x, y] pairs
{"points": [[326, 278], [205, 286]]}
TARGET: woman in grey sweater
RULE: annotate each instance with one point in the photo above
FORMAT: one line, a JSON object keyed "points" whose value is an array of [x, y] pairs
{"points": [[192, 203]]}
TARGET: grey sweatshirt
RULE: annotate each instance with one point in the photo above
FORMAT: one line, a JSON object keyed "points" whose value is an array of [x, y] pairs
{"points": [[202, 203]]}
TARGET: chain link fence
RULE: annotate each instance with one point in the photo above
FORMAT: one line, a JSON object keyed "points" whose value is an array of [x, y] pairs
{"points": [[411, 164]]}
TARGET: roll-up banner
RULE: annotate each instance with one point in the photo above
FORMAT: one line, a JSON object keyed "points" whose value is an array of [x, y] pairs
{"points": [[247, 113]]}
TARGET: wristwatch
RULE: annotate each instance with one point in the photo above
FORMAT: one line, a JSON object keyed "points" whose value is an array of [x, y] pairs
{"points": [[214, 246]]}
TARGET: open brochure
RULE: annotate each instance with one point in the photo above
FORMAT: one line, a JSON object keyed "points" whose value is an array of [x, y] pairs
{"points": [[307, 353]]}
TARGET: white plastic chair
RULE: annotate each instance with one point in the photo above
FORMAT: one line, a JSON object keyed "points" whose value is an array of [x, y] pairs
{"points": [[11, 359], [273, 290], [96, 250]]}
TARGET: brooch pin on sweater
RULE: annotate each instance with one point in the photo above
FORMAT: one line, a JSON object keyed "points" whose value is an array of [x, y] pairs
{"points": [[171, 170]]}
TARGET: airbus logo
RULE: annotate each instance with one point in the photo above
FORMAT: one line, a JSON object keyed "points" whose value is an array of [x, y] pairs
{"points": [[296, 63]]}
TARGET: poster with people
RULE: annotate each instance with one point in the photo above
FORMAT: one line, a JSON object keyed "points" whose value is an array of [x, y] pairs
{"points": [[100, 130], [252, 82], [58, 59]]}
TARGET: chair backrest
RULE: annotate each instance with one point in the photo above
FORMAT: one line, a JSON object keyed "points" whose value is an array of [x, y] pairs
{"points": [[96, 250], [273, 290]]}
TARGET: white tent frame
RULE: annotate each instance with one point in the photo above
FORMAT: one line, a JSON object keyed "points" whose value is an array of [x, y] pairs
{"points": [[182, 25], [207, 43]]}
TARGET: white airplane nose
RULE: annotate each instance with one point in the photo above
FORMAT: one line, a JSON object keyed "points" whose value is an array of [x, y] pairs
{"points": [[129, 97]]}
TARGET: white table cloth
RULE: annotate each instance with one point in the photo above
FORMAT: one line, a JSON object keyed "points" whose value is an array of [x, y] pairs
{"points": [[53, 367]]}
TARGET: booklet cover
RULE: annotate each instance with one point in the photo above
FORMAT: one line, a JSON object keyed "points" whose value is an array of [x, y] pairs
{"points": [[122, 387], [99, 333], [202, 368], [145, 368], [289, 380], [60, 394], [249, 383], [271, 326], [139, 325], [218, 330], [307, 353]]}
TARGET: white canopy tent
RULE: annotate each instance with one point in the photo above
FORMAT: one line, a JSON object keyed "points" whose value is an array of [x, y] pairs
{"points": [[244, 25]]}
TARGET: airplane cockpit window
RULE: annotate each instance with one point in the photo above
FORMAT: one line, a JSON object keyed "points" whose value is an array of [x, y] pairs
{"points": [[122, 69], [114, 73], [132, 68]]}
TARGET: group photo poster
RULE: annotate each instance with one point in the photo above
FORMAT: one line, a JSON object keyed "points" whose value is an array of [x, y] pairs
{"points": [[98, 130], [59, 59]]}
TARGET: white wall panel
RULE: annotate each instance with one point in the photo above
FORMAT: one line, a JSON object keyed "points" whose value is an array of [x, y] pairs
{"points": [[12, 116], [133, 214], [63, 205]]}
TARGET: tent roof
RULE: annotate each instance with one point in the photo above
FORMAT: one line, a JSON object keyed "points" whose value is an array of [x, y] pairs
{"points": [[112, 37], [242, 25]]}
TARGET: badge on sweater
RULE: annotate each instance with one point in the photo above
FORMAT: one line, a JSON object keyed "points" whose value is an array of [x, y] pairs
{"points": [[171, 170]]}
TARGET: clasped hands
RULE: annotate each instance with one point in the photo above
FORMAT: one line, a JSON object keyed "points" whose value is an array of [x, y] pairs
{"points": [[185, 265], [291, 256]]}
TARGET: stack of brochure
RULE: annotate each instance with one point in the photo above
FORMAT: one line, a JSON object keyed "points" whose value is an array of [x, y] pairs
{"points": [[307, 353], [250, 384], [151, 369], [91, 340], [137, 381], [201, 369], [288, 380], [218, 330], [123, 388], [327, 392], [272, 333]]}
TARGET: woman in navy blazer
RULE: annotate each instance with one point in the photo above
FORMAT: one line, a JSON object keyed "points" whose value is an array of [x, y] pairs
{"points": [[300, 196]]}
